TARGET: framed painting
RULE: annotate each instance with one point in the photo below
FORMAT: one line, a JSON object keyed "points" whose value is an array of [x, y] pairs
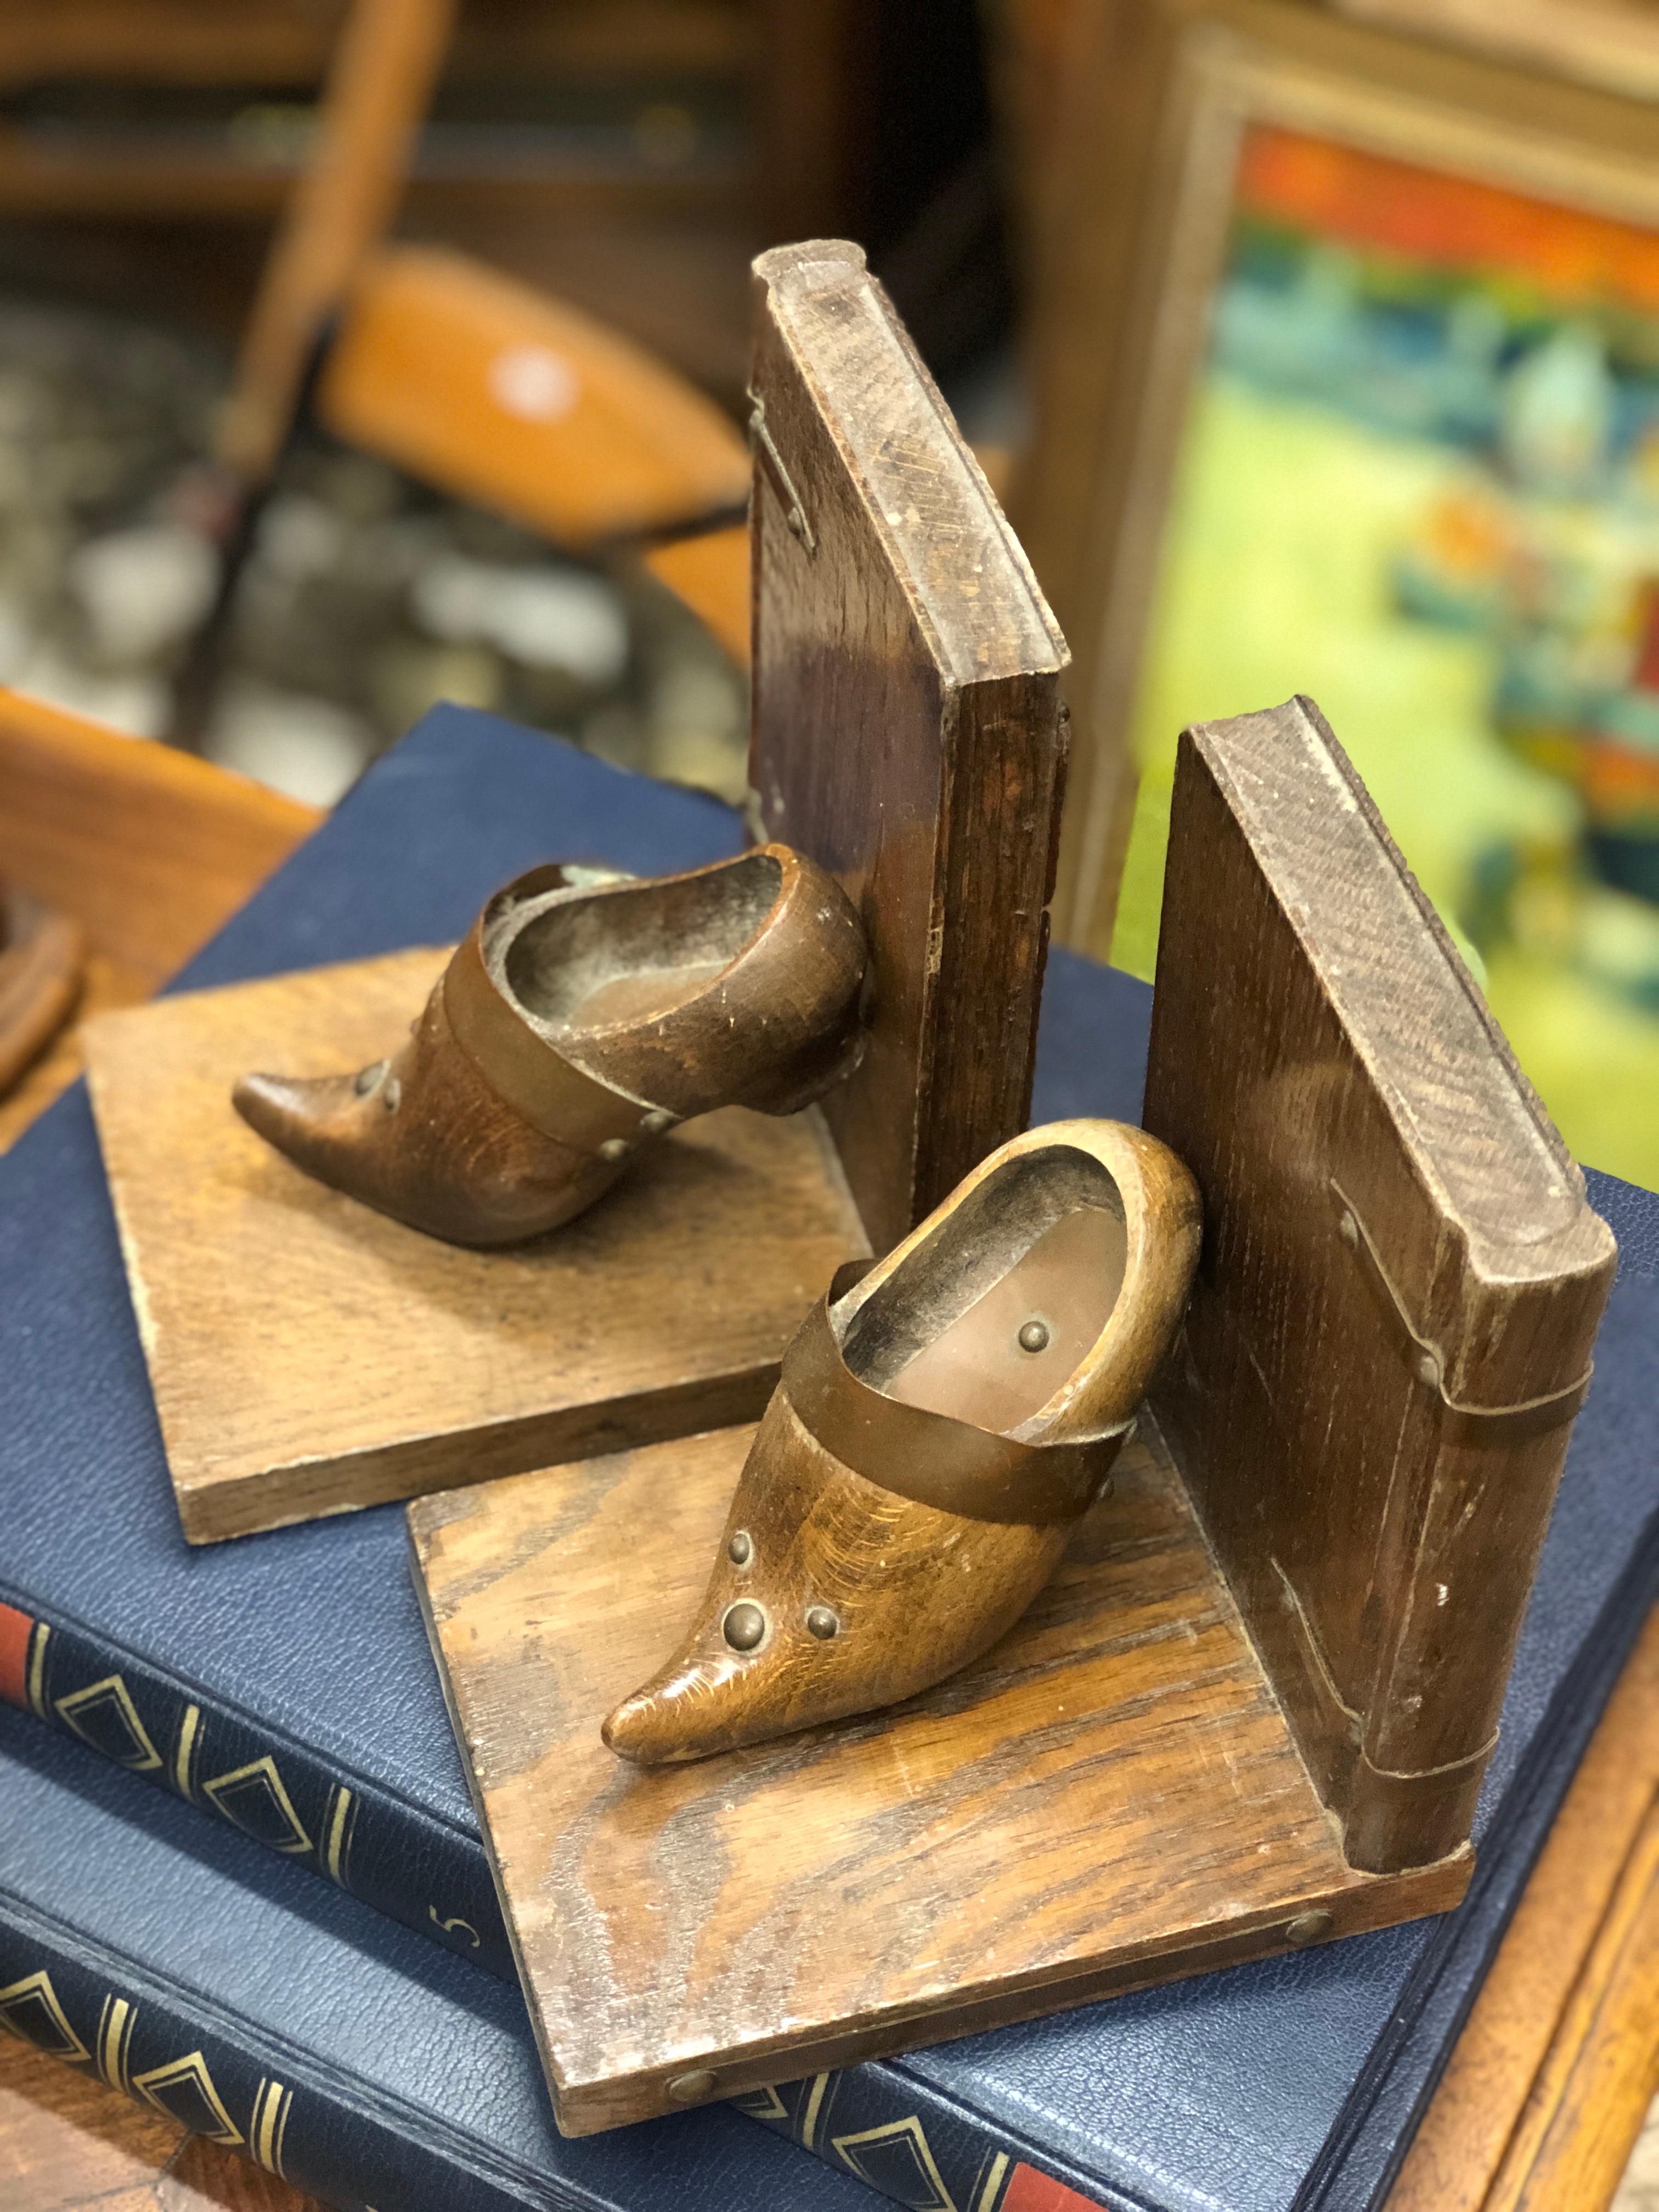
{"points": [[1348, 378]]}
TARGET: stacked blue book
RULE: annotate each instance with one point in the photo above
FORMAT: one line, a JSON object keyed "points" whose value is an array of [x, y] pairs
{"points": [[277, 1923]]}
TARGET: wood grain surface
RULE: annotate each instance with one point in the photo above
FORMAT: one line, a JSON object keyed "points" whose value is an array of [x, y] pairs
{"points": [[907, 727], [309, 1355], [1553, 2073], [1400, 1283], [1109, 1797], [149, 850]]}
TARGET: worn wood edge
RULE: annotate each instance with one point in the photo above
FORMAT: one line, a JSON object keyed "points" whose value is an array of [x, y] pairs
{"points": [[585, 2107], [1487, 1258], [780, 276], [211, 1507], [417, 1522]]}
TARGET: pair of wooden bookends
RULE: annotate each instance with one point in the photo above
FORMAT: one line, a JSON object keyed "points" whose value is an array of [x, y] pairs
{"points": [[1251, 1700]]}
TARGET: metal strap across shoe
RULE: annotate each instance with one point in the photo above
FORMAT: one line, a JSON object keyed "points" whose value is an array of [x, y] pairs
{"points": [[929, 1458]]}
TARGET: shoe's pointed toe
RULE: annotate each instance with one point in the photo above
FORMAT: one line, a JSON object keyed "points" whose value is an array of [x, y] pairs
{"points": [[294, 1113], [687, 1712]]}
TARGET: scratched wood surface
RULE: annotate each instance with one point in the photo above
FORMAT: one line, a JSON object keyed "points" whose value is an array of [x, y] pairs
{"points": [[1109, 1797], [1400, 1283], [907, 722], [309, 1355]]}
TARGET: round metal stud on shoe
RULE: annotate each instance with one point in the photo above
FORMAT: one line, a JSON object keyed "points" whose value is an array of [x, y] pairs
{"points": [[741, 1549], [822, 1623], [744, 1627], [690, 2089], [1034, 1337], [369, 1078]]}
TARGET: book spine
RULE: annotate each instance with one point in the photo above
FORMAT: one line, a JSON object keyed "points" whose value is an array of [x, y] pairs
{"points": [[908, 2143], [365, 1841], [163, 2049]]}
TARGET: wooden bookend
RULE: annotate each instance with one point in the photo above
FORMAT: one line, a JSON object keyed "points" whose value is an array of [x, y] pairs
{"points": [[907, 738], [1365, 1416], [907, 727], [1400, 1283], [1109, 1797]]}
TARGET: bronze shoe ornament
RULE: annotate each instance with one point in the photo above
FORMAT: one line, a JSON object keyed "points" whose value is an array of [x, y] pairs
{"points": [[576, 1022], [937, 1430]]}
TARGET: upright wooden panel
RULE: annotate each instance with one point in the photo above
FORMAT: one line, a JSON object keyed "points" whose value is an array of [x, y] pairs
{"points": [[1109, 1797], [1400, 1283], [907, 722]]}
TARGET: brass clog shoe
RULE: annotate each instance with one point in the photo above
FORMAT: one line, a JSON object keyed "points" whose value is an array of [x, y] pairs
{"points": [[576, 1022], [937, 1431]]}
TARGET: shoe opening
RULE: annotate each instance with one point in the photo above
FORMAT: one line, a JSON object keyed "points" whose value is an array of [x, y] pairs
{"points": [[993, 1312], [632, 952]]}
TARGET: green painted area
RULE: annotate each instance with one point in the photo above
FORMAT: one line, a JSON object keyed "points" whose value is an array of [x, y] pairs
{"points": [[1275, 579]]}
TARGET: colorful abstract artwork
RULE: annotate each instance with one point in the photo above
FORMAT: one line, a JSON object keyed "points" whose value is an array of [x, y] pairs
{"points": [[1421, 481]]}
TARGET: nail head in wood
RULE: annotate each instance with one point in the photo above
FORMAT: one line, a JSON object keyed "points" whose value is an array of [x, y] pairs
{"points": [[1308, 1928]]}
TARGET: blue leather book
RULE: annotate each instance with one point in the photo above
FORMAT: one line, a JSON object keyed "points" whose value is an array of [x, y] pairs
{"points": [[282, 1682], [202, 1976]]}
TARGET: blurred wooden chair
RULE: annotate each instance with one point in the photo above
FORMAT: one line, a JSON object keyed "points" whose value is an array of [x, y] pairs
{"points": [[459, 375], [141, 852]]}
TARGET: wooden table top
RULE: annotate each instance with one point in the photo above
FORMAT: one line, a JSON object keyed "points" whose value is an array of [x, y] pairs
{"points": [[1548, 2087]]}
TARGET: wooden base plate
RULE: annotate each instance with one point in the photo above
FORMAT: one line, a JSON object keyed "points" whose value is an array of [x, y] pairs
{"points": [[309, 1355], [1109, 1798]]}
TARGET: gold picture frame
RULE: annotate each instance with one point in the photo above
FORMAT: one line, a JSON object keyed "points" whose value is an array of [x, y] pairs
{"points": [[1160, 95]]}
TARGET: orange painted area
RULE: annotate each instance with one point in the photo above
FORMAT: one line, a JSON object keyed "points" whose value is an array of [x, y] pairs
{"points": [[711, 574], [1445, 222], [501, 395], [16, 1629], [1028, 2190]]}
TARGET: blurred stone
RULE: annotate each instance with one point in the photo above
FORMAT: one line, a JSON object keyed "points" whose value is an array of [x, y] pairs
{"points": [[308, 747], [137, 705], [143, 589], [300, 536], [545, 616], [410, 675]]}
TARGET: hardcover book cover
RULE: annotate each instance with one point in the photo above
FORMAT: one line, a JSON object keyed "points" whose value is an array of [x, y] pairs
{"points": [[180, 1963], [283, 1683]]}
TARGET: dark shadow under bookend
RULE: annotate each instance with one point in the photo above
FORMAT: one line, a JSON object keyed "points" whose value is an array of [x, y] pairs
{"points": [[577, 1023], [938, 1431]]}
